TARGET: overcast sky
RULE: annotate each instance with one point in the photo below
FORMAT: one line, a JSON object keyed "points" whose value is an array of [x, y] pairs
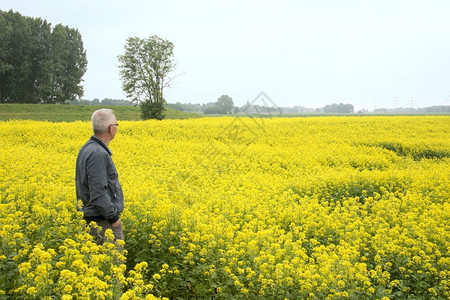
{"points": [[383, 53]]}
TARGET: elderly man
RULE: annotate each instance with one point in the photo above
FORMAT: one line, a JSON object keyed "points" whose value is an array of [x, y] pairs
{"points": [[96, 178]]}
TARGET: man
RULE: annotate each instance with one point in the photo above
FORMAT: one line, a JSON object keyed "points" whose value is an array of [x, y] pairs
{"points": [[96, 178]]}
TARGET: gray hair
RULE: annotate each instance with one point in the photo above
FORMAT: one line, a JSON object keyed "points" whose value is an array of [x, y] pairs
{"points": [[101, 119]]}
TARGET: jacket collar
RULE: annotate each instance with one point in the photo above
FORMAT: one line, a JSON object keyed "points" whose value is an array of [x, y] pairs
{"points": [[96, 139]]}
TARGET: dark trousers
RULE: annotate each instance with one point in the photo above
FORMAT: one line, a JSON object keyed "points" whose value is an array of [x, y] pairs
{"points": [[99, 233]]}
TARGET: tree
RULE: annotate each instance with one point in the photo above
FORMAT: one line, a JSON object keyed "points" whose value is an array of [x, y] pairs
{"points": [[340, 108], [38, 65], [40, 58], [213, 110], [14, 63], [68, 63], [226, 104], [144, 70], [223, 106]]}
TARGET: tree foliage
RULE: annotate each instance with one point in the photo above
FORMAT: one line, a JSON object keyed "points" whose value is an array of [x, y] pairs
{"points": [[223, 106], [144, 70], [226, 103], [39, 64], [340, 108]]}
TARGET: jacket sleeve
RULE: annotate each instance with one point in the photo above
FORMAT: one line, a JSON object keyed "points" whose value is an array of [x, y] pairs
{"points": [[96, 167]]}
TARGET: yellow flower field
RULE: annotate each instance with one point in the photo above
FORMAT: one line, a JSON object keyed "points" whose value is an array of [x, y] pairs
{"points": [[242, 208]]}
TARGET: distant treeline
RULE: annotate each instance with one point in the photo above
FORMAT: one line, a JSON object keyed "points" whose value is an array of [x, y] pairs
{"points": [[106, 101], [334, 108], [254, 109], [39, 63], [412, 110]]}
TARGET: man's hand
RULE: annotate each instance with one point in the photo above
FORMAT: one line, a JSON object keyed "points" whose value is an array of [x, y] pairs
{"points": [[116, 224]]}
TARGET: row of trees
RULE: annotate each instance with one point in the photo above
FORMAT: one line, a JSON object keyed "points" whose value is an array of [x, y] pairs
{"points": [[39, 64], [225, 105], [96, 101], [412, 110]]}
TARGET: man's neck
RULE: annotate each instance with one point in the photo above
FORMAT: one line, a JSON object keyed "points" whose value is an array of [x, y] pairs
{"points": [[105, 139]]}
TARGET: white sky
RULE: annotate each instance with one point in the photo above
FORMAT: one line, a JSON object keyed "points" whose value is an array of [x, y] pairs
{"points": [[378, 53]]}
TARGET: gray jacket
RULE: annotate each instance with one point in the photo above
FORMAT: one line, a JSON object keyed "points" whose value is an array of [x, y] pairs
{"points": [[97, 183]]}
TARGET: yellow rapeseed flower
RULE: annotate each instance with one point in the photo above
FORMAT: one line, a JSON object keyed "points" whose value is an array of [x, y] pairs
{"points": [[308, 207]]}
